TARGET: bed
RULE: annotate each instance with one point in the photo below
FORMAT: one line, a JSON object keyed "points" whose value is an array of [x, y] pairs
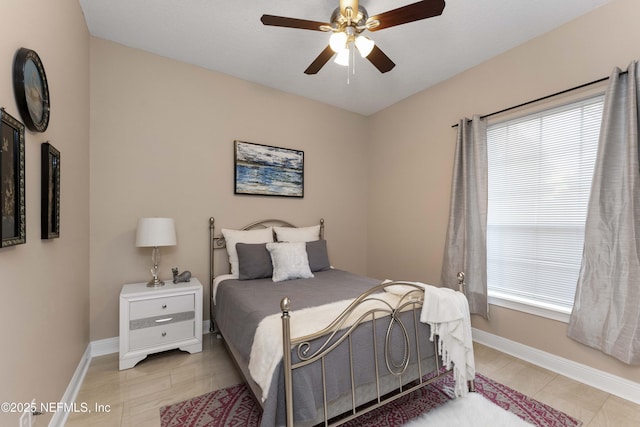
{"points": [[316, 344]]}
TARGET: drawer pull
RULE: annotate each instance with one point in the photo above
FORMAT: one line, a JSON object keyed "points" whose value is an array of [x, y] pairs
{"points": [[164, 305], [164, 334], [164, 320]]}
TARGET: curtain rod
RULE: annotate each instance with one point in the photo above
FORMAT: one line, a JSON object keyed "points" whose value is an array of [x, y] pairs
{"points": [[544, 97]]}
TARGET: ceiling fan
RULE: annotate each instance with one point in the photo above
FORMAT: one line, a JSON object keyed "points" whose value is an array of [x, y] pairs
{"points": [[347, 23]]}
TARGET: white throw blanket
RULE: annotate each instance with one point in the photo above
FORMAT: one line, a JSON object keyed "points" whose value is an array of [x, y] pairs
{"points": [[447, 312]]}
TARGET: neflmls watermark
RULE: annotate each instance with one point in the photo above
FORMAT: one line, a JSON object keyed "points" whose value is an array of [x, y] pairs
{"points": [[73, 407], [53, 407]]}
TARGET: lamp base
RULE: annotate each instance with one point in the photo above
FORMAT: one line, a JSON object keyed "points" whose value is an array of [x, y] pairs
{"points": [[155, 283]]}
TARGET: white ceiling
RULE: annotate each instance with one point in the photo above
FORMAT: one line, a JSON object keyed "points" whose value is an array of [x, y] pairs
{"points": [[227, 36]]}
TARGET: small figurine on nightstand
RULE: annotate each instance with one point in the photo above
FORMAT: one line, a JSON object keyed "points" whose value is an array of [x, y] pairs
{"points": [[185, 276]]}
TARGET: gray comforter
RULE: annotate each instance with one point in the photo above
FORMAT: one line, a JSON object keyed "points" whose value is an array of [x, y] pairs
{"points": [[241, 305]]}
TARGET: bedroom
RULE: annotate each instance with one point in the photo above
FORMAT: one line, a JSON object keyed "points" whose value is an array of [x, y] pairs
{"points": [[135, 144]]}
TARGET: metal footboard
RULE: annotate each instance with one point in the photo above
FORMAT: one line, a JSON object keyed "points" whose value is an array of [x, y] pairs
{"points": [[341, 329]]}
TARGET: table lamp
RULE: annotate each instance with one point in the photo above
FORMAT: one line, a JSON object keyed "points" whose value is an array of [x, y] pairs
{"points": [[153, 233]]}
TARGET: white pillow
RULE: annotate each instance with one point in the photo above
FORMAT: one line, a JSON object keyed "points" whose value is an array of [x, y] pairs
{"points": [[231, 237], [299, 234], [290, 261]]}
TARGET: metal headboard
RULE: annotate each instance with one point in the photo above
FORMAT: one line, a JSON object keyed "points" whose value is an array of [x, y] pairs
{"points": [[218, 242]]}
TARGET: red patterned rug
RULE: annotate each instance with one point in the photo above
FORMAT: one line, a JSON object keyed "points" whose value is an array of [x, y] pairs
{"points": [[234, 406]]}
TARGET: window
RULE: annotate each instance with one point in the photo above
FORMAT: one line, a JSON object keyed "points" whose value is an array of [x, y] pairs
{"points": [[540, 169]]}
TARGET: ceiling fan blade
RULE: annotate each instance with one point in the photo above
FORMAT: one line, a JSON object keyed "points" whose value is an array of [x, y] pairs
{"points": [[319, 62], [410, 13], [303, 24], [381, 61]]}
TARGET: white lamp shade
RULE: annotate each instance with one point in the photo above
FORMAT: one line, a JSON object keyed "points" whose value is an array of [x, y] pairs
{"points": [[156, 232]]}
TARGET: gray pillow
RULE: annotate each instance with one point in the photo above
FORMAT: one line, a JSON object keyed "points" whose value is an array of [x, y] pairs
{"points": [[254, 261], [318, 257]]}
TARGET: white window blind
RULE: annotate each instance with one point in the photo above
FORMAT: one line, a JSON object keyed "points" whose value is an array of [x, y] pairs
{"points": [[540, 169]]}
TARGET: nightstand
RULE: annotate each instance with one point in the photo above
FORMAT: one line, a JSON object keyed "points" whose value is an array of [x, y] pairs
{"points": [[159, 319]]}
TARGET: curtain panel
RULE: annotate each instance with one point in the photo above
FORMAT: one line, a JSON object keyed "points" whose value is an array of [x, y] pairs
{"points": [[466, 241], [606, 312]]}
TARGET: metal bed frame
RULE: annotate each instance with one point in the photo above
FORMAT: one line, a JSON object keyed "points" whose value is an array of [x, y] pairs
{"points": [[340, 331]]}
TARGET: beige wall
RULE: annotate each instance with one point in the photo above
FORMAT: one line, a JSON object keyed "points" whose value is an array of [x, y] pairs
{"points": [[412, 146], [44, 309], [162, 137]]}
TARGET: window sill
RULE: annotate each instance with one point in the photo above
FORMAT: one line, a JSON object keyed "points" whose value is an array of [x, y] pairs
{"points": [[549, 311]]}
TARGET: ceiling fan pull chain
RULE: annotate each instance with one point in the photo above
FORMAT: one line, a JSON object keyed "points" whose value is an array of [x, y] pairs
{"points": [[352, 48], [349, 63]]}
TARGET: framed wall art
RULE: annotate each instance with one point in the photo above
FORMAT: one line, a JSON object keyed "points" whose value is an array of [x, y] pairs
{"points": [[31, 90], [12, 181], [50, 196], [268, 171]]}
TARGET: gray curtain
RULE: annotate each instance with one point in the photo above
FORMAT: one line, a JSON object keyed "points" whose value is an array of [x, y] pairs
{"points": [[466, 242], [606, 311]]}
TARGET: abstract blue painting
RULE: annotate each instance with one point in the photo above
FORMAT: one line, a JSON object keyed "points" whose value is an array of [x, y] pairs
{"points": [[268, 171]]}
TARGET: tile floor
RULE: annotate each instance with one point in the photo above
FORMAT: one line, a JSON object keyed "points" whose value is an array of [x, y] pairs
{"points": [[135, 395]]}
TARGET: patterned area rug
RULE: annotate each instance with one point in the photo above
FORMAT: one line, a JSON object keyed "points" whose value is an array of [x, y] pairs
{"points": [[234, 406]]}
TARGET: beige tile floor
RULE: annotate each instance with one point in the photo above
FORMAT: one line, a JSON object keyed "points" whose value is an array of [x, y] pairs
{"points": [[135, 395]]}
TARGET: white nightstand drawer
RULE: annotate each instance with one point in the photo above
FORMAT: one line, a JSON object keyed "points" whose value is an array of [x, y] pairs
{"points": [[160, 335], [161, 306]]}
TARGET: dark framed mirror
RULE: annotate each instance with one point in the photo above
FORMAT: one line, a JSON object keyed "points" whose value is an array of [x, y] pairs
{"points": [[50, 216]]}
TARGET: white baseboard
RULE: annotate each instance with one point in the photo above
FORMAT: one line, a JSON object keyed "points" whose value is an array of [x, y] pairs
{"points": [[60, 417], [604, 381], [105, 346]]}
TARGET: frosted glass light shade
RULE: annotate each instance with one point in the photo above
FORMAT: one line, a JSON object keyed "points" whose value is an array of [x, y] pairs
{"points": [[338, 41], [342, 58], [364, 45], [154, 232]]}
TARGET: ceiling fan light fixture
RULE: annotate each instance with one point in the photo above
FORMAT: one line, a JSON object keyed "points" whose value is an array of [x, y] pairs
{"points": [[350, 19], [338, 41], [342, 58], [365, 45]]}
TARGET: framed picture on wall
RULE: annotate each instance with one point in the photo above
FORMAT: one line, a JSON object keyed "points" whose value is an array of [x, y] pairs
{"points": [[268, 171], [12, 181], [50, 196]]}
